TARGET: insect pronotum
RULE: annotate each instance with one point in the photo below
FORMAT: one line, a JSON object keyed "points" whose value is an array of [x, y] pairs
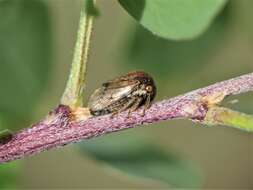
{"points": [[127, 92]]}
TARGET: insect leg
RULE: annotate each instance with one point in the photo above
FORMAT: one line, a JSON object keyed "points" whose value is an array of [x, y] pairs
{"points": [[135, 106], [125, 107], [146, 105]]}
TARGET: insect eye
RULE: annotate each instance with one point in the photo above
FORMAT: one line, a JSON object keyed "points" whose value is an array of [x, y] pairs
{"points": [[149, 88]]}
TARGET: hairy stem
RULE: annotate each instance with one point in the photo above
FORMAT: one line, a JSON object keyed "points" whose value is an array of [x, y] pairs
{"points": [[73, 94], [63, 125]]}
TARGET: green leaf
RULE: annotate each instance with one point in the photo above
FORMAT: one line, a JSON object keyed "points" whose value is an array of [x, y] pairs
{"points": [[24, 68], [174, 19], [168, 59], [24, 56], [140, 158]]}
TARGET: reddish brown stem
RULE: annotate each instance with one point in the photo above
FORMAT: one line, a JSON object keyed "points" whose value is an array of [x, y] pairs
{"points": [[60, 127]]}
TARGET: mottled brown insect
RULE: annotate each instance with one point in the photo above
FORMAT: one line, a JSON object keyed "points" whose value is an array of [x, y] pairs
{"points": [[129, 91]]}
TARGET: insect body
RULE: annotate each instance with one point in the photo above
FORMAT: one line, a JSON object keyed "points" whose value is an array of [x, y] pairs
{"points": [[129, 91]]}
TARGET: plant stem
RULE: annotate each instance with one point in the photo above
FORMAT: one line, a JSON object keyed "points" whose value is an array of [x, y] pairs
{"points": [[224, 116], [73, 94], [63, 125]]}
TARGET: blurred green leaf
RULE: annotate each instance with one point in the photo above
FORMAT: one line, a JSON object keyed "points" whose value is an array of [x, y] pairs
{"points": [[8, 175], [24, 68], [140, 158], [167, 58], [24, 56], [174, 19]]}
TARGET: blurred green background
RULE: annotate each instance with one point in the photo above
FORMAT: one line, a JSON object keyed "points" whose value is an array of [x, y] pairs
{"points": [[36, 46]]}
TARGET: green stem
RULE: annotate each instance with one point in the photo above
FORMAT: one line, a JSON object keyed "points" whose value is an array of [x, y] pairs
{"points": [[73, 94], [224, 116]]}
